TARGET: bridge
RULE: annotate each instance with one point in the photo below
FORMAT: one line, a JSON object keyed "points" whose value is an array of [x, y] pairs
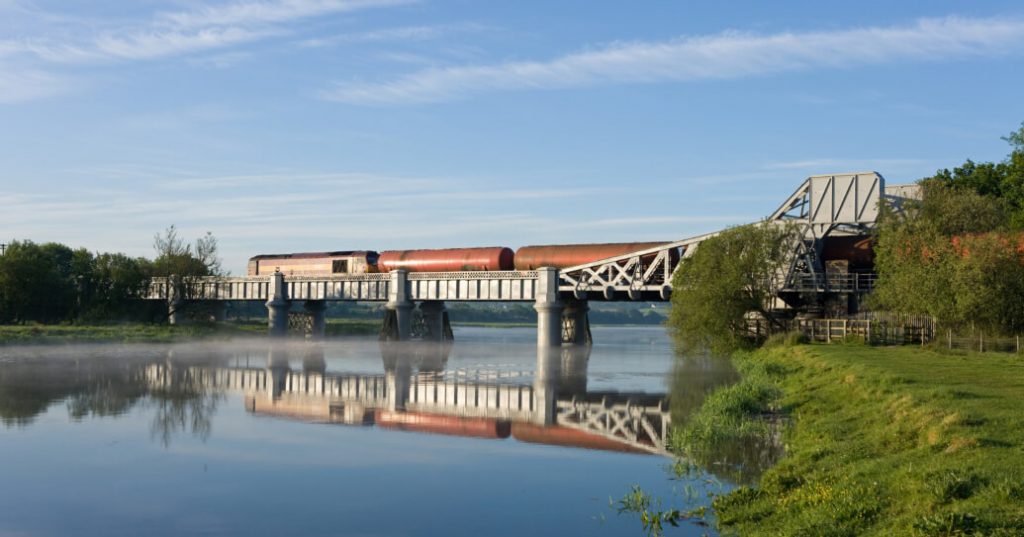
{"points": [[823, 206], [549, 405]]}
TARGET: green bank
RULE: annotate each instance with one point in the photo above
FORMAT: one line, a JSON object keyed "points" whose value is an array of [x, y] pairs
{"points": [[878, 441], [160, 333]]}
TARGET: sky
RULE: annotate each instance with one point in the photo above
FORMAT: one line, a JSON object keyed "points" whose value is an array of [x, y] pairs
{"points": [[314, 125]]}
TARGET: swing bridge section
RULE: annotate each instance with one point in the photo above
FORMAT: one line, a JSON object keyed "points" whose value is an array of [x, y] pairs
{"points": [[824, 206]]}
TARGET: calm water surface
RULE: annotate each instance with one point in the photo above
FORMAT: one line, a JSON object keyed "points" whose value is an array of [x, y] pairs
{"points": [[488, 436]]}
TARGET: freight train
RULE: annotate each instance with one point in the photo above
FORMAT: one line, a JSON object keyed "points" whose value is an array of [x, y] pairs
{"points": [[443, 260]]}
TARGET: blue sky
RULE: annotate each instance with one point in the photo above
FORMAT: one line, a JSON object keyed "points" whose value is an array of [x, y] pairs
{"points": [[298, 125]]}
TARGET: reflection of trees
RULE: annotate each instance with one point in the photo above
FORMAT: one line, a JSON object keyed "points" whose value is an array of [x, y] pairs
{"points": [[740, 460], [108, 394], [90, 386], [182, 403], [103, 386], [694, 377]]}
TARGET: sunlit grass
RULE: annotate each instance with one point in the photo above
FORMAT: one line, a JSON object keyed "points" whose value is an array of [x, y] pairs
{"points": [[885, 441]]}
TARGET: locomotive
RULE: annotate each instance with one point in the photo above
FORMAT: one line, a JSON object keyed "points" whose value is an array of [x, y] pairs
{"points": [[441, 260]]}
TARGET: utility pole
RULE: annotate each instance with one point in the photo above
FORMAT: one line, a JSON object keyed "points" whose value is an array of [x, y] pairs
{"points": [[3, 249]]}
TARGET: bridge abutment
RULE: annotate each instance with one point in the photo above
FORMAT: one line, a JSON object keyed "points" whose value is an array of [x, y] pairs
{"points": [[435, 317], [576, 323], [278, 306], [317, 310], [549, 308]]}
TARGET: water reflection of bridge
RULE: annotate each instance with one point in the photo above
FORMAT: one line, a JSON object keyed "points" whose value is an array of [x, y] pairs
{"points": [[549, 405]]}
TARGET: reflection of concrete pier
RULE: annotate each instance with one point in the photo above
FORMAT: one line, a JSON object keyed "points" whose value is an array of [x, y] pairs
{"points": [[548, 405]]}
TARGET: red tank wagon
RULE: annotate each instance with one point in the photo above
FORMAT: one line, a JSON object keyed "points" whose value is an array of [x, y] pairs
{"points": [[569, 255], [314, 263], [447, 260]]}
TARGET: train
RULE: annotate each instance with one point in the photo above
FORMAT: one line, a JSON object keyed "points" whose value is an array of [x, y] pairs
{"points": [[492, 258]]}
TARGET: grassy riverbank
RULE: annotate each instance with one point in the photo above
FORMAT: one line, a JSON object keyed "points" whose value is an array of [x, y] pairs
{"points": [[161, 333], [879, 441]]}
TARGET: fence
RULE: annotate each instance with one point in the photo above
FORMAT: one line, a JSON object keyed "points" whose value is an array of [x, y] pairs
{"points": [[886, 329]]}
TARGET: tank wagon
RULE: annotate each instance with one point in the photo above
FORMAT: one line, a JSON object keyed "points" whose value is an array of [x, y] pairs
{"points": [[447, 260], [493, 258]]}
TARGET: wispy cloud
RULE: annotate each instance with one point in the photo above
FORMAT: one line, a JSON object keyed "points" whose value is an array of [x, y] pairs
{"points": [[270, 11], [721, 56], [18, 85], [183, 32], [403, 33]]}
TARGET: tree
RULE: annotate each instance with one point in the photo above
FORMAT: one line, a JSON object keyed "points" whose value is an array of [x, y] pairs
{"points": [[954, 255], [731, 275], [185, 264], [37, 282]]}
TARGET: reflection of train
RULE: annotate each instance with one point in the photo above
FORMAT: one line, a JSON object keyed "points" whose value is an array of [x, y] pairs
{"points": [[446, 260]]}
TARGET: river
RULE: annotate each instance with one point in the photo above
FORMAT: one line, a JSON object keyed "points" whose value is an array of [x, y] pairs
{"points": [[485, 437]]}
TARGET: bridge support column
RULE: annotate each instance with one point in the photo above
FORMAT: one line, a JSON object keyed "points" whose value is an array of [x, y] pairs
{"points": [[576, 323], [545, 385], [397, 373], [218, 310], [398, 317], [317, 310], [176, 311], [549, 308], [435, 317], [278, 306]]}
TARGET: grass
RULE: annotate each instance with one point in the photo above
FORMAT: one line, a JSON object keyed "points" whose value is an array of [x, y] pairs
{"points": [[126, 333], [161, 333], [880, 441]]}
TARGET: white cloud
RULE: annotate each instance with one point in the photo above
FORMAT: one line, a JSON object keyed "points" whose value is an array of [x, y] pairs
{"points": [[404, 33], [177, 33], [270, 11], [721, 56], [18, 85]]}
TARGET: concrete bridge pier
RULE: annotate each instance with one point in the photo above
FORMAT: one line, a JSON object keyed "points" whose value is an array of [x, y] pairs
{"points": [[398, 316], [549, 308], [576, 323], [545, 384], [397, 373], [435, 317], [278, 306], [317, 310], [218, 310], [277, 372]]}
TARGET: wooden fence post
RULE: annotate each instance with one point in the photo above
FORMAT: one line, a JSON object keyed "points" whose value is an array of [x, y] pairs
{"points": [[949, 336]]}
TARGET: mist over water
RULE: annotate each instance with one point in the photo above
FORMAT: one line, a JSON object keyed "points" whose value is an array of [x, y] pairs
{"points": [[487, 436]]}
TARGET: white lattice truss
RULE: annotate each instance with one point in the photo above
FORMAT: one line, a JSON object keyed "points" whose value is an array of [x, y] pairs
{"points": [[645, 427], [823, 205]]}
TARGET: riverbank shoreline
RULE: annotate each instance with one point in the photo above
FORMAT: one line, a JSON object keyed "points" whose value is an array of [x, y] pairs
{"points": [[878, 441], [38, 334]]}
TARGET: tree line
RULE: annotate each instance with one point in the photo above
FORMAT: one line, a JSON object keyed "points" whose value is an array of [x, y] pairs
{"points": [[956, 254], [52, 282]]}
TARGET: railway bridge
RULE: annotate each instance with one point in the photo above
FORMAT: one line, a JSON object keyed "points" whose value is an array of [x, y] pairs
{"points": [[822, 207]]}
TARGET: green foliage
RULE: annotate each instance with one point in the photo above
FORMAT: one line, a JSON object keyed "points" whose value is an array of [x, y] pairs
{"points": [[1002, 180], [729, 276], [950, 261], [733, 429], [652, 517], [50, 283]]}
